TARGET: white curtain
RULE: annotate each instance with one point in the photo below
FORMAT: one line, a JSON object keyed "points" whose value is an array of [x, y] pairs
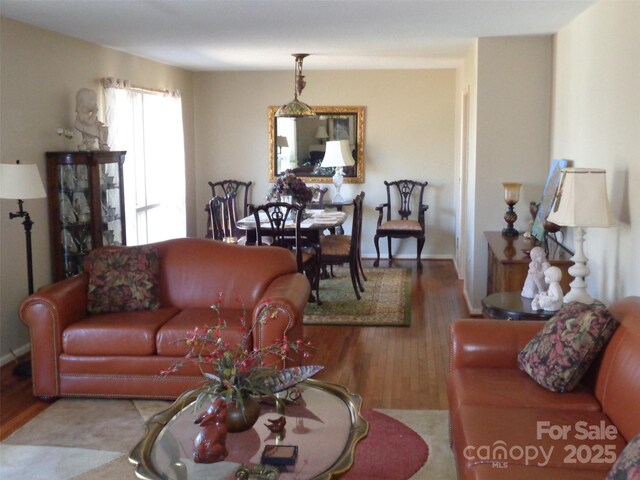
{"points": [[148, 125]]}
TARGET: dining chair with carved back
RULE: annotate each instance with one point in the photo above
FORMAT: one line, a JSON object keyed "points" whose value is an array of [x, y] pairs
{"points": [[339, 249], [241, 190], [317, 202], [407, 194], [277, 224], [222, 218]]}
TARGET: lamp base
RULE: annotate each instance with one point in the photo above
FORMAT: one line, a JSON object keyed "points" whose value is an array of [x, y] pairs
{"points": [[510, 217], [510, 232], [578, 296], [579, 271], [337, 183]]}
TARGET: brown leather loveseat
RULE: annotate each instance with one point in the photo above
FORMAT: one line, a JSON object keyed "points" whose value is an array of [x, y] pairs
{"points": [[121, 354], [506, 426]]}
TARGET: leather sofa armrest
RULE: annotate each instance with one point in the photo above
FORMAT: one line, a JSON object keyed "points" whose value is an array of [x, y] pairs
{"points": [[280, 311], [47, 313], [481, 343]]}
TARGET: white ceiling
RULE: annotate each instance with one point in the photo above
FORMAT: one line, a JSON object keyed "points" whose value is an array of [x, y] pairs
{"points": [[205, 35]]}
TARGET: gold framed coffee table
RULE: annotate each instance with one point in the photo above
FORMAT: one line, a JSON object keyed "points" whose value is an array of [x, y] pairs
{"points": [[325, 423]]}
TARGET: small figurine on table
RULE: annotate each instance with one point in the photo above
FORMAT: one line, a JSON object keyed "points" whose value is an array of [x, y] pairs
{"points": [[551, 300], [535, 278], [209, 444]]}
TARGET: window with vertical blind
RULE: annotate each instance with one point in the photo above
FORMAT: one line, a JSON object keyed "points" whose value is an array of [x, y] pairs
{"points": [[148, 125]]}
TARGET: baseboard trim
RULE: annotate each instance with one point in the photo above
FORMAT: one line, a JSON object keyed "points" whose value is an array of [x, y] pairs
{"points": [[472, 311], [15, 354]]}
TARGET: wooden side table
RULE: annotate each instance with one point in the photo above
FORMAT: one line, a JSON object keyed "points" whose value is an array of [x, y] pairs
{"points": [[512, 306], [508, 265]]}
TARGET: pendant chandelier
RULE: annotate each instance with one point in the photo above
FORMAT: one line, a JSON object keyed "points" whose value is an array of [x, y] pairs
{"points": [[296, 108]]}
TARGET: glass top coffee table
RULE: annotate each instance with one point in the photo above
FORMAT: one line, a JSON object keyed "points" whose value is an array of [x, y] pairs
{"points": [[324, 423]]}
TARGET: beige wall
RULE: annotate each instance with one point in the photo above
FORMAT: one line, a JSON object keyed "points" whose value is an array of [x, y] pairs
{"points": [[597, 124], [40, 72], [409, 133], [512, 143], [467, 87]]}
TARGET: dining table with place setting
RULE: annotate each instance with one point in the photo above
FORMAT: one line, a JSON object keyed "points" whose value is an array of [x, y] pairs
{"points": [[311, 227], [291, 226]]}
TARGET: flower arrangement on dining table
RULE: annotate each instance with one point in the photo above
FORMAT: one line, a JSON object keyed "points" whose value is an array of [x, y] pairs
{"points": [[234, 372], [288, 184]]}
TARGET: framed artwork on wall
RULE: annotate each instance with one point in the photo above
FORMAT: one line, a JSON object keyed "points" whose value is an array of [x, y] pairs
{"points": [[549, 193], [341, 128]]}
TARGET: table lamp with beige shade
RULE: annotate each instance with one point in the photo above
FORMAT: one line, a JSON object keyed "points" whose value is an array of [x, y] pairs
{"points": [[581, 202]]}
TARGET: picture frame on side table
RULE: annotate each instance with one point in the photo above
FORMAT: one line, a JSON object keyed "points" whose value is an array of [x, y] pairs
{"points": [[549, 193]]}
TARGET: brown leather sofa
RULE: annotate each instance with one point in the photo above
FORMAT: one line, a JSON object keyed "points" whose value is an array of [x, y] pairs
{"points": [[122, 354], [501, 419]]}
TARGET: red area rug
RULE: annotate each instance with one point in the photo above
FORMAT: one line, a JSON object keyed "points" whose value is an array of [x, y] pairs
{"points": [[391, 450]]}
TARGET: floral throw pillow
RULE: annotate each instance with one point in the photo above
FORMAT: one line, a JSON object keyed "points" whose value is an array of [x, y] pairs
{"points": [[627, 467], [561, 353], [123, 279]]}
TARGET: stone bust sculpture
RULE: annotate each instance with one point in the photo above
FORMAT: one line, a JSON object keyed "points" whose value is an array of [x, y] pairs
{"points": [[94, 132]]}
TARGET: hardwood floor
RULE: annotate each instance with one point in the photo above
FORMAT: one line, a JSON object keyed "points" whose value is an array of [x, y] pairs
{"points": [[398, 367], [390, 367], [17, 403]]}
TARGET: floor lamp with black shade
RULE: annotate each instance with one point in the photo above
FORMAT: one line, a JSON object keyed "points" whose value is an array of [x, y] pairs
{"points": [[19, 182]]}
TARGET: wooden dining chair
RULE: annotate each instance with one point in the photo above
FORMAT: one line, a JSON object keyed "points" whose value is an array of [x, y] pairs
{"points": [[317, 202], [274, 229], [222, 218], [339, 249], [408, 193], [221, 189]]}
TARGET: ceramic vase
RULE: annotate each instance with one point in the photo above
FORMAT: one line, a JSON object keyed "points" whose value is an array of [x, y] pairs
{"points": [[241, 419]]}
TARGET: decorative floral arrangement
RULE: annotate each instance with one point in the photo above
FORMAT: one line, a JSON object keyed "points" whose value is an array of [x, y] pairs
{"points": [[233, 372], [288, 184]]}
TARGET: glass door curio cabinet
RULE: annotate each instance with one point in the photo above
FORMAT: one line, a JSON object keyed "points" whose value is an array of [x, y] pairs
{"points": [[86, 206]]}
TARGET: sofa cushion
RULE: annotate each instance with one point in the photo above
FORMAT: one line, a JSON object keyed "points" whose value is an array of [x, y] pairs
{"points": [[535, 437], [561, 353], [122, 333], [170, 340], [486, 387], [627, 467], [123, 279]]}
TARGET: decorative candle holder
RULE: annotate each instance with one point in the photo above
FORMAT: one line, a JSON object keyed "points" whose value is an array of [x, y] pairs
{"points": [[511, 197]]}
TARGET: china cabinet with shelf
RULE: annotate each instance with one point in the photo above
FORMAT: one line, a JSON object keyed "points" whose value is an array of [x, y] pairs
{"points": [[86, 206]]}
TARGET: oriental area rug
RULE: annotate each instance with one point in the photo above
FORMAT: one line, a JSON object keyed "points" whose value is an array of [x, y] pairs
{"points": [[386, 300], [90, 439]]}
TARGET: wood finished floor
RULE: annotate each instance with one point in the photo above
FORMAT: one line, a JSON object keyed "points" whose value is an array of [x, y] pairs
{"points": [[390, 367]]}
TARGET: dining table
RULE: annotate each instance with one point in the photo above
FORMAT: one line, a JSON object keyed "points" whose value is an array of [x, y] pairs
{"points": [[310, 227]]}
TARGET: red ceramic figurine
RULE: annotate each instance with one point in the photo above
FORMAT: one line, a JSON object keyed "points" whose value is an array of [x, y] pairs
{"points": [[209, 445]]}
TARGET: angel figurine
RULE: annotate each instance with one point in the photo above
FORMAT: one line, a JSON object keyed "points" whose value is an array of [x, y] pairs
{"points": [[534, 282], [552, 299]]}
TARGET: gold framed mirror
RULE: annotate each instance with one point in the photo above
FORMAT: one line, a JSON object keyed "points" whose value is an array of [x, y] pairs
{"points": [[298, 144]]}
